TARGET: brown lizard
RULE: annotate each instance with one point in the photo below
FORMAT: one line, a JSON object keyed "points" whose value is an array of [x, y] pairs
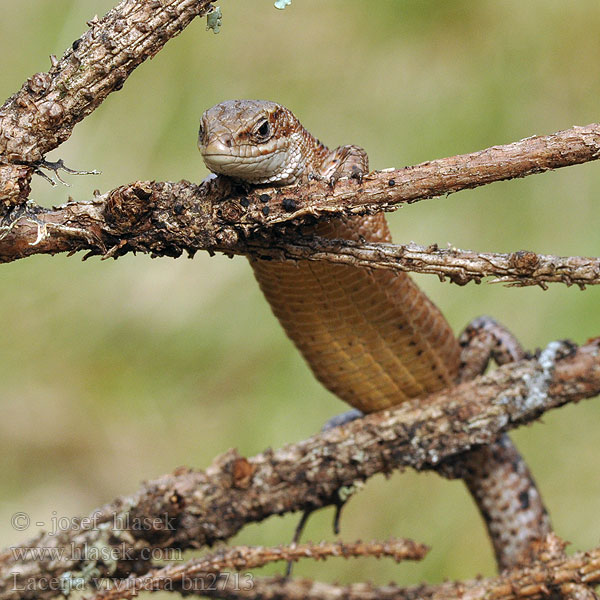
{"points": [[371, 337]]}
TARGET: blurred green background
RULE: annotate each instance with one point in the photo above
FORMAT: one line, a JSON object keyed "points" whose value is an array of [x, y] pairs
{"points": [[115, 372]]}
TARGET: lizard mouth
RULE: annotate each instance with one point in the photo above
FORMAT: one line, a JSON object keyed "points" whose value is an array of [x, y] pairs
{"points": [[219, 157], [225, 160], [256, 169]]}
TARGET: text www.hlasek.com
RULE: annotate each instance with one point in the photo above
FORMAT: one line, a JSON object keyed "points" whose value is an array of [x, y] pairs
{"points": [[84, 552]]}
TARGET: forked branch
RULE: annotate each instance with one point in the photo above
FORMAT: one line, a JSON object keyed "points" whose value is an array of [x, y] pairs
{"points": [[167, 219], [195, 575], [43, 113]]}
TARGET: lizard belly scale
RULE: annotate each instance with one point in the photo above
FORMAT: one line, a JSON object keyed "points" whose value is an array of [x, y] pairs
{"points": [[370, 336]]}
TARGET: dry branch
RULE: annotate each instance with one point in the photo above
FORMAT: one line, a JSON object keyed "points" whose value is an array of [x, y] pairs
{"points": [[550, 577], [520, 268], [171, 218], [191, 509], [176, 577], [42, 114]]}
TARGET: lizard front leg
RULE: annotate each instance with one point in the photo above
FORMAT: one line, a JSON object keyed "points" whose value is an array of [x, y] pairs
{"points": [[345, 161]]}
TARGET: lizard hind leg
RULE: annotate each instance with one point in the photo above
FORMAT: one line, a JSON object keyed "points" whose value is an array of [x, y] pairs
{"points": [[336, 421], [484, 339], [496, 474]]}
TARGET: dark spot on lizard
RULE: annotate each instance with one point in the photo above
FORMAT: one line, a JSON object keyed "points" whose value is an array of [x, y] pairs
{"points": [[245, 202], [524, 499], [265, 210], [178, 208], [392, 182], [288, 204], [264, 197]]}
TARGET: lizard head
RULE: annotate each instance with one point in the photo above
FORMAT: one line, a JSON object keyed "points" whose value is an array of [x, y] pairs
{"points": [[256, 141]]}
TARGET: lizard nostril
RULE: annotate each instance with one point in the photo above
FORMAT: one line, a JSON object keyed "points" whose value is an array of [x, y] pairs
{"points": [[227, 141]]}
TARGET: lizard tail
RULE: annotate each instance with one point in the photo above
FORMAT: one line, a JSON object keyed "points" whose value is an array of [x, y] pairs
{"points": [[507, 498]]}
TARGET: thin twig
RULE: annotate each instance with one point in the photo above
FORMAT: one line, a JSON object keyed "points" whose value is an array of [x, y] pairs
{"points": [[520, 268], [552, 576], [544, 581], [241, 558]]}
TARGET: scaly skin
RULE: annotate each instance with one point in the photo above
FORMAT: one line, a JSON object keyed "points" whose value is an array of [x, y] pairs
{"points": [[371, 337]]}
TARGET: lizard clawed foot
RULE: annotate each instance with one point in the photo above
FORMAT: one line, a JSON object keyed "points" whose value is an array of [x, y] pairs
{"points": [[356, 173], [343, 419], [56, 167], [297, 535], [302, 524], [336, 421]]}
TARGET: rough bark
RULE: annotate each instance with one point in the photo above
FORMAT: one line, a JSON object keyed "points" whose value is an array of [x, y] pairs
{"points": [[551, 578], [191, 509], [167, 219], [241, 558], [43, 113]]}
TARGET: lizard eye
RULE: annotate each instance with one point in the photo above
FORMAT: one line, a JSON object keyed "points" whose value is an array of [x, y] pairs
{"points": [[262, 131]]}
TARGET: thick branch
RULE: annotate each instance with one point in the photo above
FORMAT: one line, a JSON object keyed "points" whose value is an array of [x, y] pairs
{"points": [[42, 114], [170, 218], [384, 189], [190, 509]]}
